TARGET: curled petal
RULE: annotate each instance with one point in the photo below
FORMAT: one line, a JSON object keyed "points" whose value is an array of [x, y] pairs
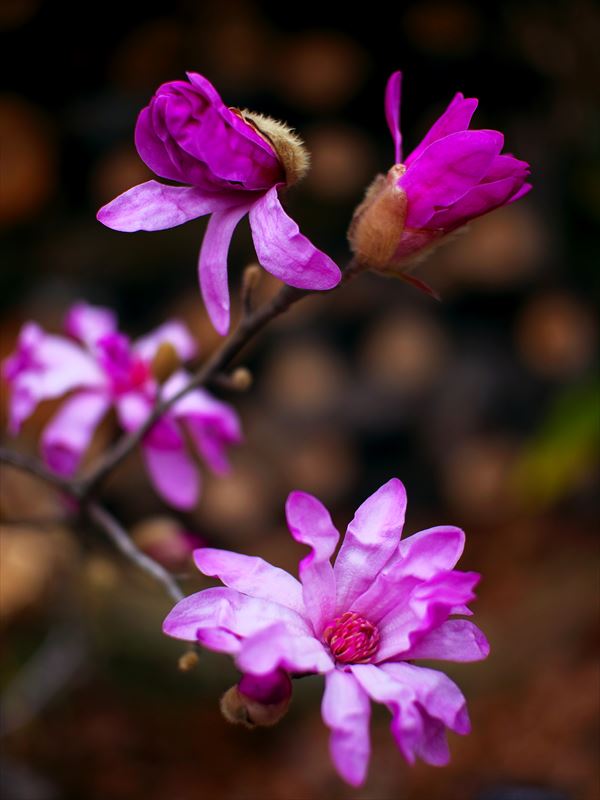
{"points": [[212, 265], [430, 551], [310, 524], [371, 538], [453, 640], [69, 433], [392, 112], [252, 576], [154, 206], [277, 647], [445, 171], [284, 252], [457, 117], [219, 614], [346, 710]]}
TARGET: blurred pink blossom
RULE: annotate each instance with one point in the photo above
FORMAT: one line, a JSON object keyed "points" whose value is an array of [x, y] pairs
{"points": [[361, 623], [102, 369]]}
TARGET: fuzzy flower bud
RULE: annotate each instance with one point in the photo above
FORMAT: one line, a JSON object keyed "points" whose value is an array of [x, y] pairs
{"points": [[452, 176]]}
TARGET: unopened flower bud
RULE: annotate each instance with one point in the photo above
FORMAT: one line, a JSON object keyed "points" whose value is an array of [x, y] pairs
{"points": [[288, 146], [165, 362], [258, 700], [241, 379], [188, 660]]}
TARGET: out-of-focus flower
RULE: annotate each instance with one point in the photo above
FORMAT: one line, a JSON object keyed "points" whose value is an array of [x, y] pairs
{"points": [[451, 177], [104, 370], [233, 163], [361, 623]]}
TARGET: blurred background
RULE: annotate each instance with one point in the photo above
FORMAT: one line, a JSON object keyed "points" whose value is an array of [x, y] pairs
{"points": [[485, 405]]}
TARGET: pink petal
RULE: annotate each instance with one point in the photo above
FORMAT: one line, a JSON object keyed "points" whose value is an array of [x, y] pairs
{"points": [[422, 703], [252, 576], [310, 524], [277, 647], [172, 332], [154, 206], [453, 640], [212, 265], [346, 710], [217, 615], [392, 112], [173, 474], [506, 166], [370, 540], [44, 367], [89, 323], [430, 551], [479, 200], [446, 170], [69, 433], [284, 252], [457, 117], [152, 149], [429, 605], [212, 424]]}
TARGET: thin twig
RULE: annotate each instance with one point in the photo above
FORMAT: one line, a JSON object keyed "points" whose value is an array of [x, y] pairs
{"points": [[26, 463], [121, 539]]}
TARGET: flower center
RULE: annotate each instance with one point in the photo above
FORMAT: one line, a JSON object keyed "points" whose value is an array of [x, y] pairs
{"points": [[351, 638]]}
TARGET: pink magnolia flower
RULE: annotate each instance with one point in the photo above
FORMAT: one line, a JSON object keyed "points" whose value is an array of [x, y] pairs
{"points": [[452, 176], [361, 622], [102, 369], [233, 163]]}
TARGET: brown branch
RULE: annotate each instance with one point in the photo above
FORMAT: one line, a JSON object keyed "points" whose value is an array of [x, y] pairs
{"points": [[100, 517]]}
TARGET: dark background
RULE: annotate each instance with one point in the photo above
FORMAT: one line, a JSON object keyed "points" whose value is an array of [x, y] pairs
{"points": [[484, 405]]}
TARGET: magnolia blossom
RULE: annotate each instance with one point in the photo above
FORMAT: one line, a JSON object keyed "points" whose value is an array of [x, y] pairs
{"points": [[101, 369], [452, 176], [232, 163], [361, 622]]}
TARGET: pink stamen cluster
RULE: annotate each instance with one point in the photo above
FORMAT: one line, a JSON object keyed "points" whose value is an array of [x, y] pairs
{"points": [[352, 639]]}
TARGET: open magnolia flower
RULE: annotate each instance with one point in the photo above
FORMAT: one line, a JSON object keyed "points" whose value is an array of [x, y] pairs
{"points": [[452, 176], [105, 370], [233, 163], [361, 623]]}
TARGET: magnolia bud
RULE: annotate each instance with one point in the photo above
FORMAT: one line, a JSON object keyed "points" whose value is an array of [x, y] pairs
{"points": [[258, 700], [288, 146], [241, 379], [165, 361], [188, 660]]}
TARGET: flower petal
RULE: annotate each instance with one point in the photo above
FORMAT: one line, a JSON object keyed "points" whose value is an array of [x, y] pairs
{"points": [[44, 367], [430, 603], [172, 332], [310, 524], [284, 252], [212, 424], [212, 264], [446, 170], [225, 613], [252, 576], [422, 702], [481, 199], [154, 206], [392, 112], [430, 551], [370, 540], [346, 710], [457, 117], [69, 433], [453, 640], [89, 323], [173, 474], [278, 647]]}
